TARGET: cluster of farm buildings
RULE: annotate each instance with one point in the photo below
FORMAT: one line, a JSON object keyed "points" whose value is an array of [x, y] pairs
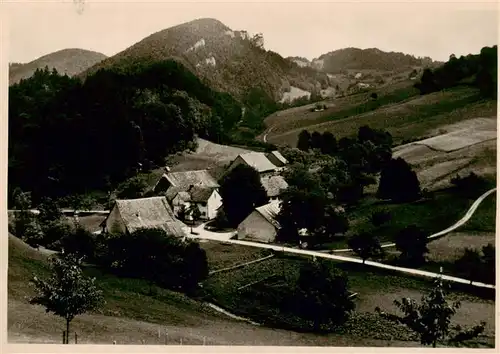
{"points": [[180, 191]]}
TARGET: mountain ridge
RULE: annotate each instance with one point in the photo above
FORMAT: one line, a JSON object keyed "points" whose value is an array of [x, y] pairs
{"points": [[232, 61], [70, 61]]}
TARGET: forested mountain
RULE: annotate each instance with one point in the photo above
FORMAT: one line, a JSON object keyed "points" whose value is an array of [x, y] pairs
{"points": [[340, 60], [66, 136], [229, 61], [475, 69], [67, 61]]}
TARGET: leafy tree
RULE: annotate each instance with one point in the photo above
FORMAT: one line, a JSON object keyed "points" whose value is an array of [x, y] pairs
{"points": [[54, 232], [49, 211], [178, 263], [412, 243], [365, 245], [25, 226], [489, 263], [80, 242], [132, 188], [241, 191], [220, 220], [329, 144], [68, 292], [373, 96], [316, 140], [471, 265], [304, 141], [431, 319], [398, 182], [322, 296]]}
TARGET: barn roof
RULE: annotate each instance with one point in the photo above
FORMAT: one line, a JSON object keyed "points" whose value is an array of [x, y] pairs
{"points": [[273, 185], [200, 194], [270, 211], [259, 161], [151, 212], [185, 179], [279, 157]]}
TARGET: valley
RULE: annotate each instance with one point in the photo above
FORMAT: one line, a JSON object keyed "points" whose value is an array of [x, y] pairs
{"points": [[304, 196]]}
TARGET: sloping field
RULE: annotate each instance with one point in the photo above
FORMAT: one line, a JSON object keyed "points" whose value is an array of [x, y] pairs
{"points": [[406, 120], [339, 108], [451, 247], [131, 317], [457, 140], [208, 155], [468, 146]]}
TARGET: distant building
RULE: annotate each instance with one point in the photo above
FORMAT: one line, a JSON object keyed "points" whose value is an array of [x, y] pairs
{"points": [[130, 215], [207, 199], [261, 225], [274, 186], [183, 180], [264, 163]]}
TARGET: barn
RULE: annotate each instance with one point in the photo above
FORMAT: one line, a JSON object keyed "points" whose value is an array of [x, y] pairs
{"points": [[261, 224], [129, 215]]}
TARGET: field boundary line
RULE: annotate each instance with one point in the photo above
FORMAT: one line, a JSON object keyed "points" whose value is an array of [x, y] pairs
{"points": [[241, 265]]}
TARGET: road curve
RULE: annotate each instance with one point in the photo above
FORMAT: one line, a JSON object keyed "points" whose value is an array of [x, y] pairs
{"points": [[345, 259], [264, 137], [467, 216], [455, 226]]}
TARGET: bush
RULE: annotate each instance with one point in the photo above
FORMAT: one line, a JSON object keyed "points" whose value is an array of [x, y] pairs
{"points": [[412, 243], [54, 232], [322, 296], [177, 264], [80, 242], [471, 185]]}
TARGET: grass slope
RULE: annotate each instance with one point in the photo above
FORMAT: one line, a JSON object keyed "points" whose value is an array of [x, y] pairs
{"points": [[374, 288], [131, 317], [407, 119]]}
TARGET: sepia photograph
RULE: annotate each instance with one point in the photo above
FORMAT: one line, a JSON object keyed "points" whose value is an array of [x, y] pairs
{"points": [[281, 174]]}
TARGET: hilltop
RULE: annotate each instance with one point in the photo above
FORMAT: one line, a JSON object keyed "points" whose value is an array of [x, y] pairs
{"points": [[229, 60], [367, 59], [67, 61]]}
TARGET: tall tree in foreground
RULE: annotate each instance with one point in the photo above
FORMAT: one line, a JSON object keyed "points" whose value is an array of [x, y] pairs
{"points": [[68, 293], [242, 191], [431, 319], [322, 295]]}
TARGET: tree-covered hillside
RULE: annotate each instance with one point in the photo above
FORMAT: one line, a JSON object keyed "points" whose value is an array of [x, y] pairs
{"points": [[68, 136], [479, 70]]}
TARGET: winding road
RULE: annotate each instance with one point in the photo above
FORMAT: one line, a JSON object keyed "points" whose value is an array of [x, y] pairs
{"points": [[203, 234], [455, 226], [226, 237]]}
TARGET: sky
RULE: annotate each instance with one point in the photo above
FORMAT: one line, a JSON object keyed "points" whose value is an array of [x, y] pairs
{"points": [[430, 28]]}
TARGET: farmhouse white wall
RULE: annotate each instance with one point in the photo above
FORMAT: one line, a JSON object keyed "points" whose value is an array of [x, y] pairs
{"points": [[114, 222], [213, 203], [256, 228]]}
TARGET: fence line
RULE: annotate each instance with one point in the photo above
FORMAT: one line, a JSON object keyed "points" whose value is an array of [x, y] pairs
{"points": [[240, 265]]}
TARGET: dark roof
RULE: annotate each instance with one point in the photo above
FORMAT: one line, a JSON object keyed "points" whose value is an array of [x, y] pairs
{"points": [[187, 178], [273, 185], [151, 212], [200, 194]]}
